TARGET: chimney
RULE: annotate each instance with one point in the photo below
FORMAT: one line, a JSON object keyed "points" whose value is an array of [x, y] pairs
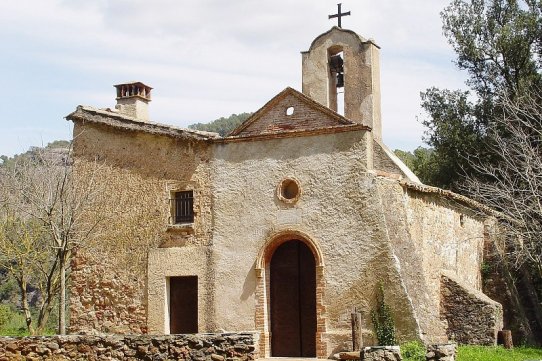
{"points": [[133, 100]]}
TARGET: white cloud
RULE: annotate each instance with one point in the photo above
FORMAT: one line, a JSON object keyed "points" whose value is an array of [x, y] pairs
{"points": [[208, 58]]}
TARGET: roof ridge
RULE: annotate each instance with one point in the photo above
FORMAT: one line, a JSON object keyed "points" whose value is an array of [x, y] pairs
{"points": [[76, 115]]}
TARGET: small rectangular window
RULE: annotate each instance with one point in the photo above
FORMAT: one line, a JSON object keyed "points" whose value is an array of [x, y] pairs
{"points": [[184, 207]]}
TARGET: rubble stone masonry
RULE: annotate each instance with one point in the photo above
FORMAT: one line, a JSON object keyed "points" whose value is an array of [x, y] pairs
{"points": [[199, 347], [472, 317]]}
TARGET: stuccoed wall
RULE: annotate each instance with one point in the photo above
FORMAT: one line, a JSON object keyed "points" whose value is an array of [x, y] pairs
{"points": [[427, 236], [339, 209], [383, 162], [135, 169], [174, 262], [362, 75], [199, 347], [370, 230]]}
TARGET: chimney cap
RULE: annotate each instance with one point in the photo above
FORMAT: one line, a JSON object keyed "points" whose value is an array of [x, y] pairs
{"points": [[133, 82], [133, 89]]}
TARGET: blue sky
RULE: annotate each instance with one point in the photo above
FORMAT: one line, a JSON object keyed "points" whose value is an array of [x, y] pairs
{"points": [[205, 59]]}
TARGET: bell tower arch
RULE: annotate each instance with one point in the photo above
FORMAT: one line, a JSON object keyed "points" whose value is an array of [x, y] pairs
{"points": [[339, 61]]}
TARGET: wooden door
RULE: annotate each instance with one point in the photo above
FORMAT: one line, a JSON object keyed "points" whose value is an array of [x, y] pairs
{"points": [[183, 305], [293, 301]]}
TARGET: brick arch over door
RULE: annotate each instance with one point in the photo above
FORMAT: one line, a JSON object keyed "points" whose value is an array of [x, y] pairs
{"points": [[263, 316]]}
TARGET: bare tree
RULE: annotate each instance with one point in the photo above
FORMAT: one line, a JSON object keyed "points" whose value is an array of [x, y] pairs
{"points": [[47, 191], [26, 256], [512, 184]]}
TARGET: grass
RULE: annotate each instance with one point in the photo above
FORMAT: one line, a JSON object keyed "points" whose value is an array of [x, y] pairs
{"points": [[481, 353], [13, 323], [415, 351]]}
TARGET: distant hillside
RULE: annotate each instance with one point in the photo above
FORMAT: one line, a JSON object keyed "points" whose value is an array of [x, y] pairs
{"points": [[57, 151], [222, 126]]}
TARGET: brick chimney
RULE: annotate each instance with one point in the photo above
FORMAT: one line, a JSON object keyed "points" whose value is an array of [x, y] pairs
{"points": [[133, 100]]}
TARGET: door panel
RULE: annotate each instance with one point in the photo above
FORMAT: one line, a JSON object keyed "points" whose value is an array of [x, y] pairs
{"points": [[293, 301], [183, 305]]}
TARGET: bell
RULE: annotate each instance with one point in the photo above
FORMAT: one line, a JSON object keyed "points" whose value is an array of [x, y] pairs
{"points": [[340, 80], [336, 64]]}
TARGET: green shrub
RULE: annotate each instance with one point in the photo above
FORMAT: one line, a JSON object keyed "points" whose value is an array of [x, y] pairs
{"points": [[11, 323], [485, 269], [382, 320], [413, 351], [5, 314]]}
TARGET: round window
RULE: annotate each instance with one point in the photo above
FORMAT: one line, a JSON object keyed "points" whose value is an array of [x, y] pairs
{"points": [[289, 190]]}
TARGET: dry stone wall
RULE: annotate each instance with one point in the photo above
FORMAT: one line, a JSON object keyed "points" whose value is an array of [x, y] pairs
{"points": [[472, 317], [383, 353], [199, 347], [441, 352]]}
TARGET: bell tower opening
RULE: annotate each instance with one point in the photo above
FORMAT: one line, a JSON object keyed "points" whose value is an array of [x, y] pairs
{"points": [[341, 70], [336, 79]]}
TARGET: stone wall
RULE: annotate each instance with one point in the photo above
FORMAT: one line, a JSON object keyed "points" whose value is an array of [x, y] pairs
{"points": [[441, 352], [199, 347], [472, 317], [136, 172], [382, 353], [444, 352]]}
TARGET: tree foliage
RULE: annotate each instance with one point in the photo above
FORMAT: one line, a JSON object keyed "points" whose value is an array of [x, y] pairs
{"points": [[423, 162], [222, 126], [27, 258], [498, 43]]}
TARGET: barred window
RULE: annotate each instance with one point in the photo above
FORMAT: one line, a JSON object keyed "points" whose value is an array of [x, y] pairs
{"points": [[184, 207]]}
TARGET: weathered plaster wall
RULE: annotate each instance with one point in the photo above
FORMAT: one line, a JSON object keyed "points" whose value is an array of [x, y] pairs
{"points": [[175, 262], [361, 71], [383, 162], [337, 209], [386, 162], [429, 234], [369, 230], [109, 292]]}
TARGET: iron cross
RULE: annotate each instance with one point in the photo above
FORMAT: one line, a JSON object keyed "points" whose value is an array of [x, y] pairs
{"points": [[339, 15]]}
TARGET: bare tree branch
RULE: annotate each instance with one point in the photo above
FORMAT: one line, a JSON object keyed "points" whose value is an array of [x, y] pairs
{"points": [[44, 219]]}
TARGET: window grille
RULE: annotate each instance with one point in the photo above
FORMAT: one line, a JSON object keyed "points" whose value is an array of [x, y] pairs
{"points": [[184, 207]]}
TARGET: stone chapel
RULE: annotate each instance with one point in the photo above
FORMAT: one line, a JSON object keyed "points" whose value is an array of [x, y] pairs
{"points": [[280, 228]]}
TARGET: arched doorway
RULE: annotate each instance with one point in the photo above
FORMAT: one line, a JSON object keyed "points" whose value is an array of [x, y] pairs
{"points": [[293, 300]]}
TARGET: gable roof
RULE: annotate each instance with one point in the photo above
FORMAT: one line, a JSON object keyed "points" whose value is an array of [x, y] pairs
{"points": [[307, 115]]}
